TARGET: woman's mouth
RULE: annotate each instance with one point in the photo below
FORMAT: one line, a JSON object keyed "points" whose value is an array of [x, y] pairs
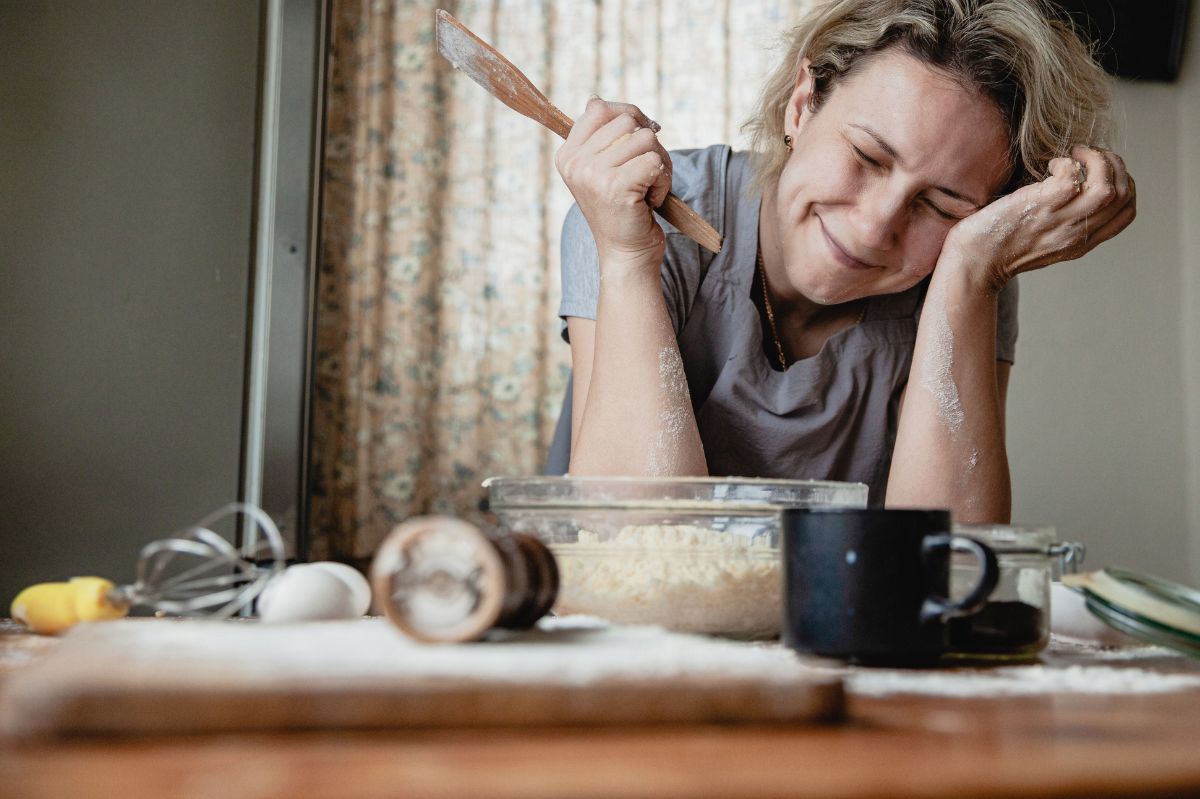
{"points": [[840, 254]]}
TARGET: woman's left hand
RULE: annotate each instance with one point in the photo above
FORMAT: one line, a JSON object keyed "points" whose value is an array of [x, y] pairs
{"points": [[1085, 200]]}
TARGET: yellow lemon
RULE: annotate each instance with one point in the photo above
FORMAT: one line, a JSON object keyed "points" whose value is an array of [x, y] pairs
{"points": [[47, 608], [91, 599], [51, 608]]}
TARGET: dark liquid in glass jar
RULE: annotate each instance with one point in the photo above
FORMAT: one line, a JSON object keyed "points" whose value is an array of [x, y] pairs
{"points": [[999, 628]]}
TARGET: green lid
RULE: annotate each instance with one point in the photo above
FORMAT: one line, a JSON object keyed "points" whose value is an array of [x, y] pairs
{"points": [[1155, 610]]}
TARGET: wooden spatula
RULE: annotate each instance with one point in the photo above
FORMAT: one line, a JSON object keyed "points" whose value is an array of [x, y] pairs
{"points": [[484, 65]]}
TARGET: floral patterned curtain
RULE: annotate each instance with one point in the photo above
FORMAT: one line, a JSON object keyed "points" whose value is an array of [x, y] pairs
{"points": [[438, 358]]}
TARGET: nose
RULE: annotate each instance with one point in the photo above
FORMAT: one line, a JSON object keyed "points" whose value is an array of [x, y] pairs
{"points": [[882, 213]]}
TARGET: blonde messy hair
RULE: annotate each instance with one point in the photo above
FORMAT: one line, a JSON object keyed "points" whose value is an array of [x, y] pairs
{"points": [[1046, 83]]}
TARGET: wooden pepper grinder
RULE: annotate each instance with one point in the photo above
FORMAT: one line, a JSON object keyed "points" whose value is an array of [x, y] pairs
{"points": [[441, 580]]}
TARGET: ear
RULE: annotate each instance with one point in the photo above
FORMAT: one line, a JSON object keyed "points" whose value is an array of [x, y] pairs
{"points": [[797, 109]]}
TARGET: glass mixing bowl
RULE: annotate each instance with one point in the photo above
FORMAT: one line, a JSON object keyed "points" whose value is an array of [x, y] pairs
{"points": [[690, 554]]}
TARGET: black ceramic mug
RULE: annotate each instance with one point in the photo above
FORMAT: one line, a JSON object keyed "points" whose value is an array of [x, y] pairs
{"points": [[872, 586]]}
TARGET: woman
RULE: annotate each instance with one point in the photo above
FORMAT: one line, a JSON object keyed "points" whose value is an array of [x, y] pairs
{"points": [[911, 158]]}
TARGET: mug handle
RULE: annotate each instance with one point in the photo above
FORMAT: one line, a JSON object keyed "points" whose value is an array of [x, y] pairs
{"points": [[941, 608]]}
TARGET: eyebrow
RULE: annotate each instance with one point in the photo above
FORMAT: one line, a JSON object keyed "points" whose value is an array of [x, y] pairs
{"points": [[895, 156]]}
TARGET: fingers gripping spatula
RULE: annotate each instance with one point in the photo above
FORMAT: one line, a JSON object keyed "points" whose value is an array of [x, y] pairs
{"points": [[484, 65]]}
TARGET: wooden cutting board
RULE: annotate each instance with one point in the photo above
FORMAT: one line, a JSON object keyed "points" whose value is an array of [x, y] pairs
{"points": [[174, 676]]}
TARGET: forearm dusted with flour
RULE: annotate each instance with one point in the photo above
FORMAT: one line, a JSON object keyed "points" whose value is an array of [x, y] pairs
{"points": [[637, 414], [950, 443], [950, 448], [629, 378]]}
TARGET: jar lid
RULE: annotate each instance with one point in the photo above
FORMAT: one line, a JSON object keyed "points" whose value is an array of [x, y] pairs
{"points": [[1003, 537], [1152, 609], [1027, 541]]}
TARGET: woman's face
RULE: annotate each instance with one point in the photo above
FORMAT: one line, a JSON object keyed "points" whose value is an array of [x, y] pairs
{"points": [[896, 154]]}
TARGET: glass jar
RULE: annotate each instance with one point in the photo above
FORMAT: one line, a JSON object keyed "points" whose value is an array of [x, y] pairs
{"points": [[1015, 622], [690, 554]]}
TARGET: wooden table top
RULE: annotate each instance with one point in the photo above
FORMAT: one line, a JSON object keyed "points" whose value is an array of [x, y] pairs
{"points": [[1063, 744]]}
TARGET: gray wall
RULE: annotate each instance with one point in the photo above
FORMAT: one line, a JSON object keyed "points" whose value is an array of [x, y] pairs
{"points": [[1104, 405], [1187, 119], [126, 180]]}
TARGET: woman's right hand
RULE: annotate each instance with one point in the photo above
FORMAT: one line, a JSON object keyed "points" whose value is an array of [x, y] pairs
{"points": [[617, 171]]}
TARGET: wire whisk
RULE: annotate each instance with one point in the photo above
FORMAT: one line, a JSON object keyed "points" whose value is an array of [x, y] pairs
{"points": [[197, 571]]}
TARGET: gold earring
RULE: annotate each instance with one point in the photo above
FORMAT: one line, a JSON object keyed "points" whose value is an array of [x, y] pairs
{"points": [[787, 142]]}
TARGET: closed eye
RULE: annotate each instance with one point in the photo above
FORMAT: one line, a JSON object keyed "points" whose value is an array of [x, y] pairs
{"points": [[864, 157], [943, 214]]}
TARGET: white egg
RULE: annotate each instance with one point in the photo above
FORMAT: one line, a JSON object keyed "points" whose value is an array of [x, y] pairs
{"points": [[312, 592], [358, 584]]}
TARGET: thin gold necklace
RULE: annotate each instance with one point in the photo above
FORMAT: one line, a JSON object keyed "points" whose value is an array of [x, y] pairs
{"points": [[762, 271]]}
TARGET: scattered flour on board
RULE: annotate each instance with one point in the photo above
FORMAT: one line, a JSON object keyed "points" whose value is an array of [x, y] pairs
{"points": [[573, 650], [1018, 680], [1034, 679]]}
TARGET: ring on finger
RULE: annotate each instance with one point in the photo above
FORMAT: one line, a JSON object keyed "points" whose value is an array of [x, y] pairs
{"points": [[1080, 176]]}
